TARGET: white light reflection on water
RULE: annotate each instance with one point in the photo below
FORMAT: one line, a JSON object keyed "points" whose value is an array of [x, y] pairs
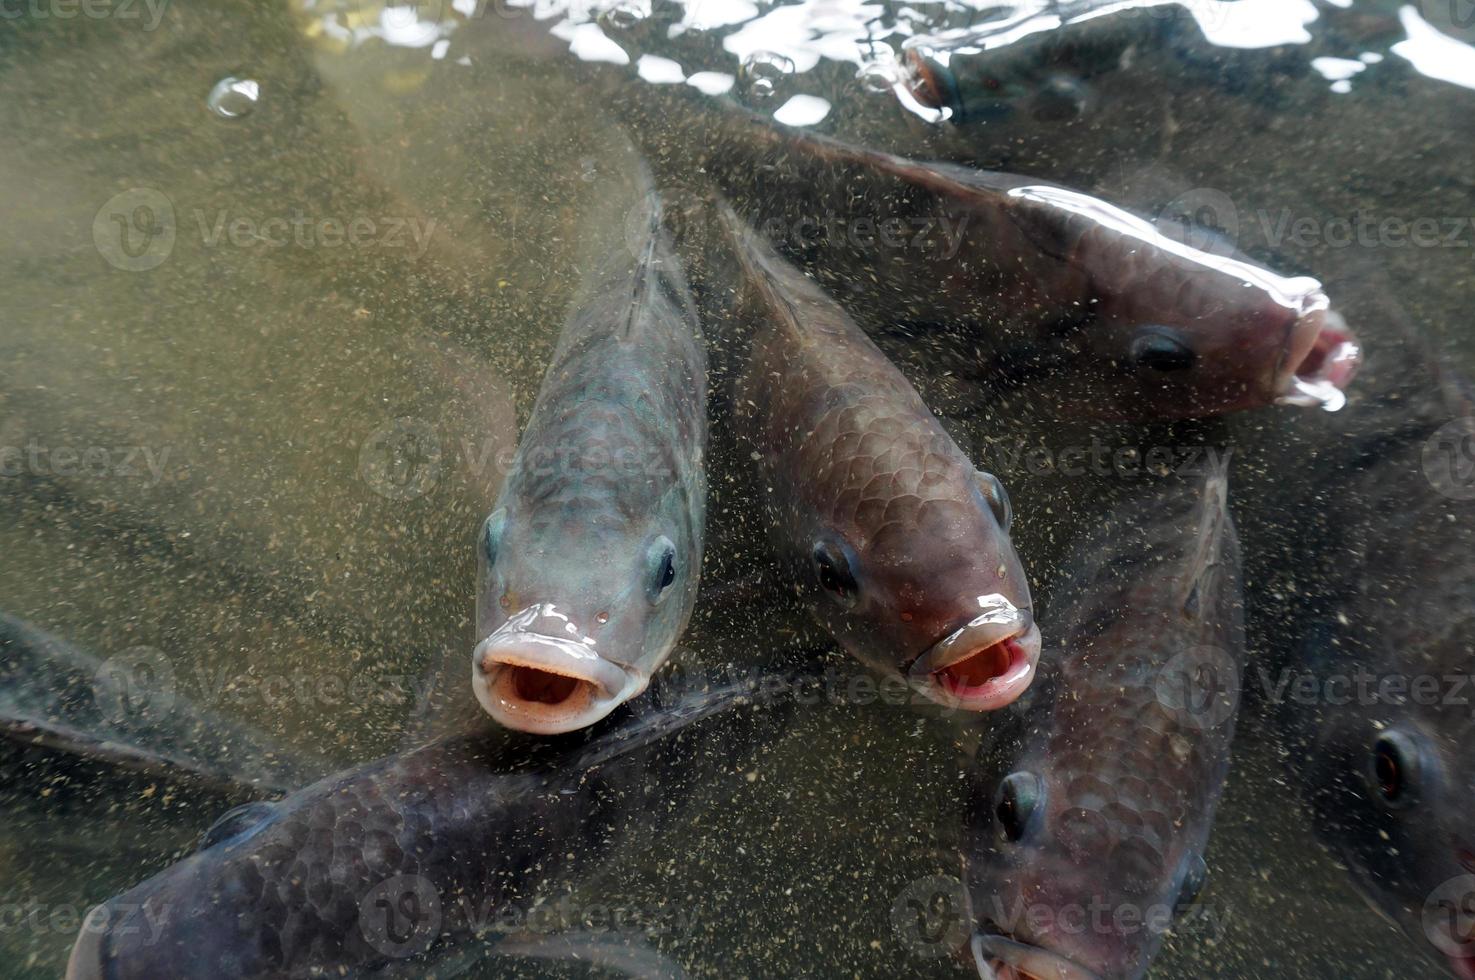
{"points": [[1433, 53]]}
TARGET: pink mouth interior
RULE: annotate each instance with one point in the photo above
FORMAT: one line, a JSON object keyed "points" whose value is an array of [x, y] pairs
{"points": [[1333, 357], [541, 686], [981, 671]]}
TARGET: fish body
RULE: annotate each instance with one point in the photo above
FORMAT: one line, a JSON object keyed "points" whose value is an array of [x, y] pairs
{"points": [[1086, 835], [589, 561], [399, 861], [1011, 277], [1381, 746], [898, 543]]}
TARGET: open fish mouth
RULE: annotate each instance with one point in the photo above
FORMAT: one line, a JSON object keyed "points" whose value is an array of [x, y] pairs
{"points": [[1000, 958], [986, 664], [544, 684], [1326, 356]]}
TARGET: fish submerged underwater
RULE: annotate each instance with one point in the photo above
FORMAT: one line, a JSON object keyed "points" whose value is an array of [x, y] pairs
{"points": [[1086, 838], [396, 864], [1018, 308], [1002, 275], [588, 565], [899, 544], [1377, 706]]}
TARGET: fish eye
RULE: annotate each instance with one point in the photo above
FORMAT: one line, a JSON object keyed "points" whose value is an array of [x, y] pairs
{"points": [[832, 570], [1162, 349], [1394, 769], [998, 499], [1016, 803], [1191, 881], [237, 821], [661, 560], [491, 534]]}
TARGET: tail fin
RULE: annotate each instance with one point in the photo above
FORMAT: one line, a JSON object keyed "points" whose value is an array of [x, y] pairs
{"points": [[121, 713]]}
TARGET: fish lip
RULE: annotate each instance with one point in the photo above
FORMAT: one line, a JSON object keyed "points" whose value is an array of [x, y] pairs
{"points": [[1024, 961], [1001, 622], [606, 685], [1321, 358]]}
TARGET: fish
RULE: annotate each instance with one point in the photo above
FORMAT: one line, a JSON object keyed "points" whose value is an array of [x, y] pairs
{"points": [[898, 544], [58, 698], [383, 868], [1031, 61], [1381, 751], [1008, 277], [1084, 835], [589, 562]]}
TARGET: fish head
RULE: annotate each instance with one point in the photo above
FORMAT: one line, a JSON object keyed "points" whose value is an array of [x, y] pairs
{"points": [[1073, 879], [1392, 790], [1192, 328], [1301, 357], [924, 583], [566, 635]]}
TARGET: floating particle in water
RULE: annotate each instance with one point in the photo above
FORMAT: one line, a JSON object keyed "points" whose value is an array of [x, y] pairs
{"points": [[764, 72], [233, 97]]}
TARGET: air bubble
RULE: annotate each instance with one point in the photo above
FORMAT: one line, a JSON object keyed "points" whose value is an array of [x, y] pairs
{"points": [[233, 97], [764, 72], [877, 76], [622, 16]]}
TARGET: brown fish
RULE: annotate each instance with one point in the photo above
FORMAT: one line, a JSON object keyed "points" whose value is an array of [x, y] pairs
{"points": [[897, 542], [1013, 275]]}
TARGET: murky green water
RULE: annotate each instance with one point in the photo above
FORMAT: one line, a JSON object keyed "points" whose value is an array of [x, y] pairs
{"points": [[261, 370]]}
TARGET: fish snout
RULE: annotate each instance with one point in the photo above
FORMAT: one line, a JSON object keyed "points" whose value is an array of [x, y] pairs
{"points": [[545, 684], [1000, 958], [1321, 358], [89, 954], [984, 665]]}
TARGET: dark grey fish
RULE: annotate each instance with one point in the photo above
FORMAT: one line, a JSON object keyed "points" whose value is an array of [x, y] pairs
{"points": [[1379, 704], [897, 542], [56, 697], [384, 868], [589, 562], [1086, 836]]}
